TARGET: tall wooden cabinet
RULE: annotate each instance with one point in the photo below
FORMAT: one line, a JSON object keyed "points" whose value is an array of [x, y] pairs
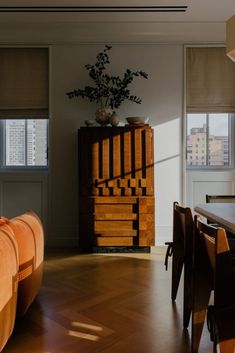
{"points": [[116, 186]]}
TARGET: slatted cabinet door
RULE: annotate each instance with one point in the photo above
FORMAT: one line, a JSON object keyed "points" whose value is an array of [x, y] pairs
{"points": [[116, 186]]}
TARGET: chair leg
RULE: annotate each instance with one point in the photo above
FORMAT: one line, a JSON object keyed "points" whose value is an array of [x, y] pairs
{"points": [[201, 290], [201, 297], [187, 294], [187, 314], [177, 264], [177, 267]]}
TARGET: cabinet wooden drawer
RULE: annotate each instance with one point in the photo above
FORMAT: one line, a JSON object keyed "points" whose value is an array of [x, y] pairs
{"points": [[114, 241], [117, 233], [114, 208], [112, 225], [116, 216]]}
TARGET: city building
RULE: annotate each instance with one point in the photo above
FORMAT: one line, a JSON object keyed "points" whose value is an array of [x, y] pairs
{"points": [[204, 150], [26, 142]]}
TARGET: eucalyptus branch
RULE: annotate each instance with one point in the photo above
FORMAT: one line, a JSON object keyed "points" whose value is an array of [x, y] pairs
{"points": [[110, 90]]}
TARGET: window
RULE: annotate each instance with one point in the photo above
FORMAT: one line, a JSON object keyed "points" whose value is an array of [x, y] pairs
{"points": [[24, 107], [210, 107], [215, 131], [24, 143]]}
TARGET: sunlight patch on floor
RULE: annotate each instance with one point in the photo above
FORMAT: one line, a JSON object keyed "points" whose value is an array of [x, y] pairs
{"points": [[88, 326], [83, 335]]}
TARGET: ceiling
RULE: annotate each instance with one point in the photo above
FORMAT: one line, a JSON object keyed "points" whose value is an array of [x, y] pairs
{"points": [[201, 20]]}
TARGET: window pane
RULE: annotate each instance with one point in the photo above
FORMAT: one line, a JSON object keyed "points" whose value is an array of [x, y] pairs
{"points": [[15, 142], [196, 139], [208, 140], [25, 142], [218, 139], [37, 142]]}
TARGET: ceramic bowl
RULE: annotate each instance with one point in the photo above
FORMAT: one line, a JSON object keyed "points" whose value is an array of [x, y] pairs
{"points": [[137, 119], [89, 122]]}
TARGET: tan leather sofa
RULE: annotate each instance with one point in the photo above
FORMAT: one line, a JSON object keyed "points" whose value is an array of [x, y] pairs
{"points": [[21, 268], [9, 263]]}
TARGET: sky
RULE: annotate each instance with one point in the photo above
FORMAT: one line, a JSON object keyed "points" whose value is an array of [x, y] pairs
{"points": [[218, 123]]}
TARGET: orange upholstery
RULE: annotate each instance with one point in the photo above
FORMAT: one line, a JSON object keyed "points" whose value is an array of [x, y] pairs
{"points": [[8, 281], [28, 233]]}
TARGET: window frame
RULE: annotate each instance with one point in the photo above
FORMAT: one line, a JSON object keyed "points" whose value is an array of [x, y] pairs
{"points": [[7, 168], [231, 145]]}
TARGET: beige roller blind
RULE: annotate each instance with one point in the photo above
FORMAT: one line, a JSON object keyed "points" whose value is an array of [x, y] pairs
{"points": [[24, 83], [210, 81]]}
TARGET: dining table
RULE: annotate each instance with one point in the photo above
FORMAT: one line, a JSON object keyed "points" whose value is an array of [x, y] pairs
{"points": [[222, 214]]}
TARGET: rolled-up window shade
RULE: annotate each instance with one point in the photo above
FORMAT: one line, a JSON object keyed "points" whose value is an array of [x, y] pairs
{"points": [[210, 81], [24, 83]]}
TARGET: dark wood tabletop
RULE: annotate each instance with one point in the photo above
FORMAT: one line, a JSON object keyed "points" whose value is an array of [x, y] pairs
{"points": [[221, 213]]}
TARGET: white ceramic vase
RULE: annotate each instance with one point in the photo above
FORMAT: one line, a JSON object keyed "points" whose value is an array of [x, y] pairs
{"points": [[114, 119]]}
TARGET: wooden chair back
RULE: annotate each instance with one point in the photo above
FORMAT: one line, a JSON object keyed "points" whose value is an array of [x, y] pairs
{"points": [[201, 287], [213, 270], [219, 255], [182, 255], [223, 199]]}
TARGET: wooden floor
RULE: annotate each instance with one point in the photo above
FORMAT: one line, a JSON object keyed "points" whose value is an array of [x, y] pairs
{"points": [[104, 303]]}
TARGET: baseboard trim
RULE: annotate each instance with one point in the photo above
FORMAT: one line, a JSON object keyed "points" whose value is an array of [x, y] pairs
{"points": [[121, 249]]}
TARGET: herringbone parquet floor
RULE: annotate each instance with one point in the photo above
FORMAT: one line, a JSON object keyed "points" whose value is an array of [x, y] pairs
{"points": [[104, 304]]}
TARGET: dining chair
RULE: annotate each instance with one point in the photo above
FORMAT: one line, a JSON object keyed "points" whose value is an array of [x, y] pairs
{"points": [[181, 251], [223, 199], [213, 271], [220, 198], [222, 327]]}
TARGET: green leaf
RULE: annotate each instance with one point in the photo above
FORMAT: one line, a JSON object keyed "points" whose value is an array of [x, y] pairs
{"points": [[111, 89]]}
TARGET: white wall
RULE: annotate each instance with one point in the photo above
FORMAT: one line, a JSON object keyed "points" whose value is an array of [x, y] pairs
{"points": [[200, 183], [20, 192], [168, 181], [161, 100]]}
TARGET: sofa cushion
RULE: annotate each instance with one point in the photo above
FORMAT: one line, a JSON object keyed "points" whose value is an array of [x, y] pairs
{"points": [[28, 231], [8, 280]]}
